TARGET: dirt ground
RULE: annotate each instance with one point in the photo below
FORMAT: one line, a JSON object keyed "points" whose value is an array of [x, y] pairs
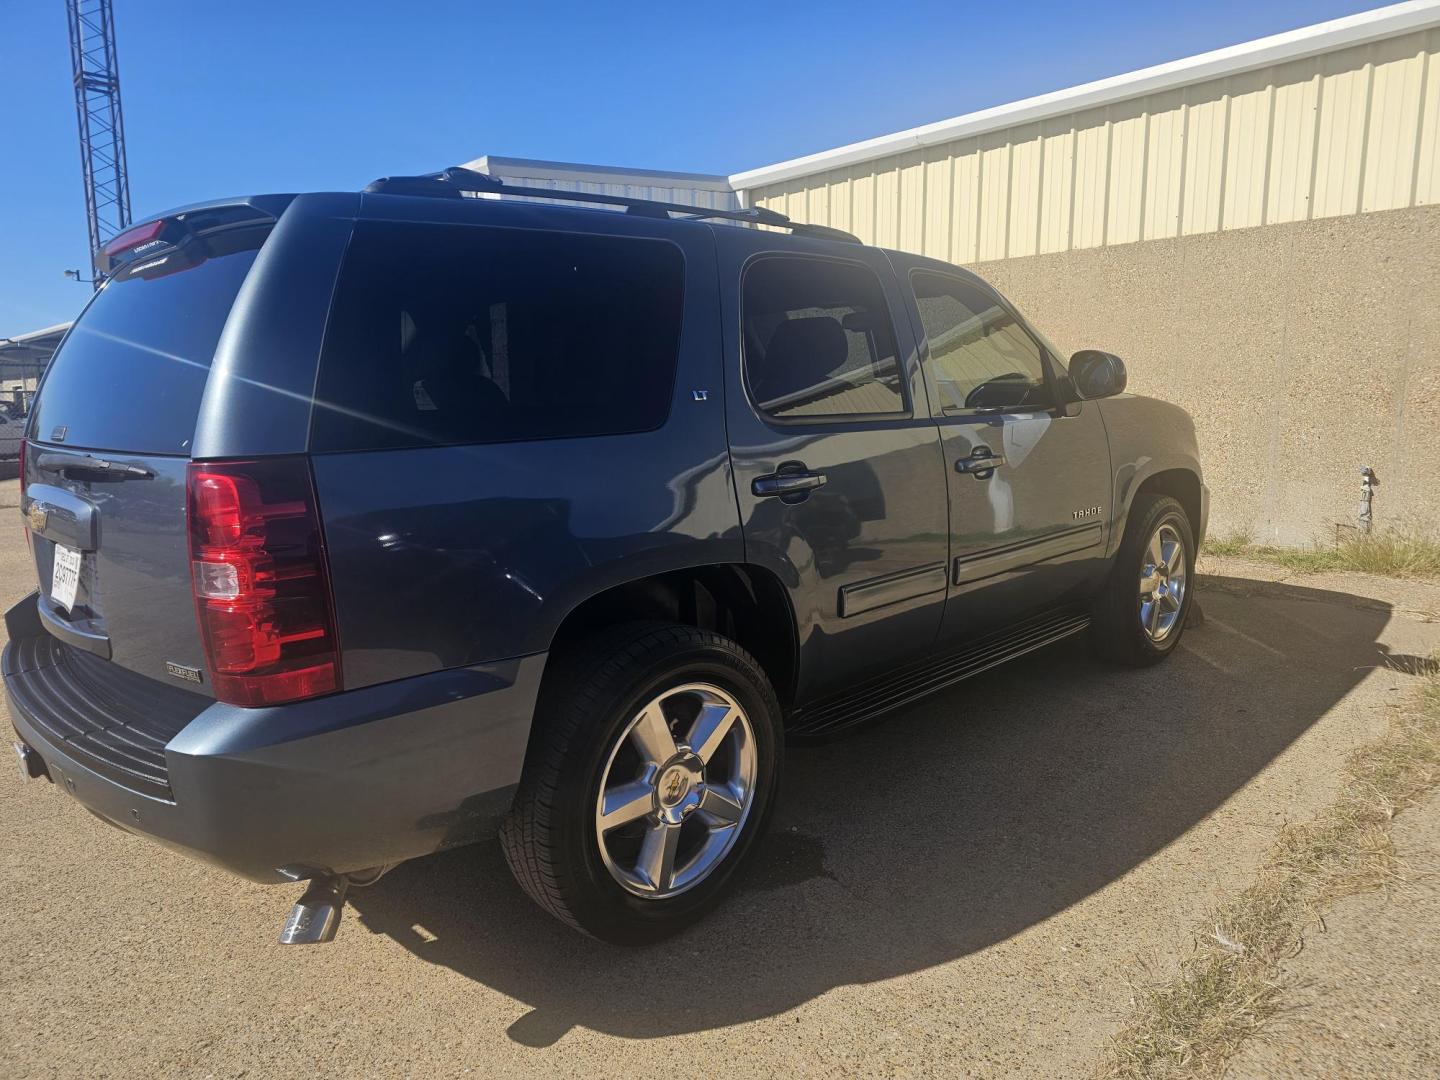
{"points": [[1363, 998], [963, 890]]}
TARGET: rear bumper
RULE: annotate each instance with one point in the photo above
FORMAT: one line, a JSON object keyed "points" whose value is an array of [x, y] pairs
{"points": [[330, 786]]}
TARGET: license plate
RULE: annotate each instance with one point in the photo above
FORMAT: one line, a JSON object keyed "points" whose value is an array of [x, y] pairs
{"points": [[67, 576]]}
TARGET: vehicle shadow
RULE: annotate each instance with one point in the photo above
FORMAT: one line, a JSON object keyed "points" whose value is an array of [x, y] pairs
{"points": [[951, 826]]}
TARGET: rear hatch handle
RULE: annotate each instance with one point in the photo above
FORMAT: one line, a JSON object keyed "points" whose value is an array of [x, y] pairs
{"points": [[92, 468]]}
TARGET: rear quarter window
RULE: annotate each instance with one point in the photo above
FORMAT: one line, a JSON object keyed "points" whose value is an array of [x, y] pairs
{"points": [[443, 335]]}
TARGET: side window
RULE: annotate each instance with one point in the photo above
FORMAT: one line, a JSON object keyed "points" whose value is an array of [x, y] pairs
{"points": [[980, 356], [469, 334], [818, 339]]}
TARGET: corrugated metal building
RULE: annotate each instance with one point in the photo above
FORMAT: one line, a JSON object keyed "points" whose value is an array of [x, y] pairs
{"points": [[1340, 118], [1256, 230], [689, 189]]}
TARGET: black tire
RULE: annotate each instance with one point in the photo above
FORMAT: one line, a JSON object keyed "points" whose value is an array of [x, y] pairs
{"points": [[1115, 627], [586, 704]]}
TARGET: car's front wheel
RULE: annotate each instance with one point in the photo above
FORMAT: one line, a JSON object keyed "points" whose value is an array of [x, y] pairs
{"points": [[1141, 614], [650, 776]]}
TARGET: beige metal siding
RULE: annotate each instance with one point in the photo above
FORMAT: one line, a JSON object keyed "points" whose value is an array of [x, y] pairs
{"points": [[1092, 181], [1344, 132], [1127, 176], [1427, 171], [936, 217], [687, 189], [686, 196], [1207, 117], [1057, 174], [1025, 179], [1292, 143], [1164, 165], [1393, 138], [965, 205]]}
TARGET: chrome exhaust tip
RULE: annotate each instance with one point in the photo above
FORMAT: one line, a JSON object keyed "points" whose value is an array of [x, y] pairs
{"points": [[32, 766], [316, 915]]}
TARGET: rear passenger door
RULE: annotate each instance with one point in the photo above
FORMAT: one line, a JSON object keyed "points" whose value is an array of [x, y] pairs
{"points": [[837, 463], [1026, 529]]}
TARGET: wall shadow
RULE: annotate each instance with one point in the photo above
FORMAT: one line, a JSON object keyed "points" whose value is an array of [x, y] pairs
{"points": [[947, 828]]}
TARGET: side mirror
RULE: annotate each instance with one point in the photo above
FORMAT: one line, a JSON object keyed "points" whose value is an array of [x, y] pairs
{"points": [[1097, 374]]}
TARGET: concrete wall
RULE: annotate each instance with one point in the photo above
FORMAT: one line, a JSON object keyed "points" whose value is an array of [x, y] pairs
{"points": [[1303, 350]]}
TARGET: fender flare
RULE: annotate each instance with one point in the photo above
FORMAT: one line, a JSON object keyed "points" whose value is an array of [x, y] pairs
{"points": [[1132, 477]]}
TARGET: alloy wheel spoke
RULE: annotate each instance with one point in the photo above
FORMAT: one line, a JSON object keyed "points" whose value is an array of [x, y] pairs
{"points": [[1154, 552], [1152, 617], [1172, 553], [626, 803], [1169, 601], [651, 735], [720, 807], [710, 729], [656, 864]]}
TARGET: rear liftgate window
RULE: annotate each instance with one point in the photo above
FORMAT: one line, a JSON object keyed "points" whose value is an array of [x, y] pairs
{"points": [[449, 335], [132, 371]]}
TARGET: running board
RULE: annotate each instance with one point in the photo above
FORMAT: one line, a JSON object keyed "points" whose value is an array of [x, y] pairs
{"points": [[878, 696]]}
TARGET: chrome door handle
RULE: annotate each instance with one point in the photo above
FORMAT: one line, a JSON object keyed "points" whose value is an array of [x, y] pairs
{"points": [[979, 462]]}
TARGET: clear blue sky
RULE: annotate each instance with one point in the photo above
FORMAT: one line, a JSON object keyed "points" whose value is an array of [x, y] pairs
{"points": [[225, 99]]}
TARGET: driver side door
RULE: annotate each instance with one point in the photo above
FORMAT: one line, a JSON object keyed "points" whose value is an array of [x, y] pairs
{"points": [[1027, 526]]}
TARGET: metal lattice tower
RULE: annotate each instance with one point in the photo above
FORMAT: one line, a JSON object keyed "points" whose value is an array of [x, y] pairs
{"points": [[102, 125]]}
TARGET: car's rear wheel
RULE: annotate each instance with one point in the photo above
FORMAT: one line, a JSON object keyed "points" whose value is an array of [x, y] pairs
{"points": [[1140, 616], [650, 776]]}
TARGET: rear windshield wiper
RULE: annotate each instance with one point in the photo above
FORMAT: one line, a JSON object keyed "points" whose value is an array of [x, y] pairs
{"points": [[94, 468]]}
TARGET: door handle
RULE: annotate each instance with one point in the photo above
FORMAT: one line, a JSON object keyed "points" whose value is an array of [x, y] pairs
{"points": [[787, 484], [981, 460]]}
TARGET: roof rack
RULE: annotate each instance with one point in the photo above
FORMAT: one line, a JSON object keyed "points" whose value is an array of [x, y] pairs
{"points": [[457, 182]]}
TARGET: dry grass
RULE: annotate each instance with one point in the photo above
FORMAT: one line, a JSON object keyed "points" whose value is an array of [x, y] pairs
{"points": [[1241, 543], [1411, 552], [1232, 983]]}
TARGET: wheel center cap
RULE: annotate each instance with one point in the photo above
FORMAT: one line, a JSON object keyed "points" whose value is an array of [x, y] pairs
{"points": [[674, 785]]}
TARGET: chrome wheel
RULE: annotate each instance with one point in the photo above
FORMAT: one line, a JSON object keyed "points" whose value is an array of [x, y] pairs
{"points": [[1162, 582], [676, 791]]}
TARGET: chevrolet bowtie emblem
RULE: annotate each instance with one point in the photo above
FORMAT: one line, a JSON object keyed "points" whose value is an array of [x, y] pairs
{"points": [[36, 517]]}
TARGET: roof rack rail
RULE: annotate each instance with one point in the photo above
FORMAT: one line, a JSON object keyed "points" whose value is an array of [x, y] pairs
{"points": [[457, 182]]}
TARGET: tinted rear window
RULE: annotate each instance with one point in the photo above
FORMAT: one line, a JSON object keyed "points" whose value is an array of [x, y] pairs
{"points": [[132, 371], [818, 339], [444, 335]]}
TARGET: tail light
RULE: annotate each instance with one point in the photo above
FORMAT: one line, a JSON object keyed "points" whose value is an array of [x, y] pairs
{"points": [[262, 589]]}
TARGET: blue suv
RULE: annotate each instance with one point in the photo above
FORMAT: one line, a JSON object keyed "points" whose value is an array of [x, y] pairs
{"points": [[367, 524]]}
